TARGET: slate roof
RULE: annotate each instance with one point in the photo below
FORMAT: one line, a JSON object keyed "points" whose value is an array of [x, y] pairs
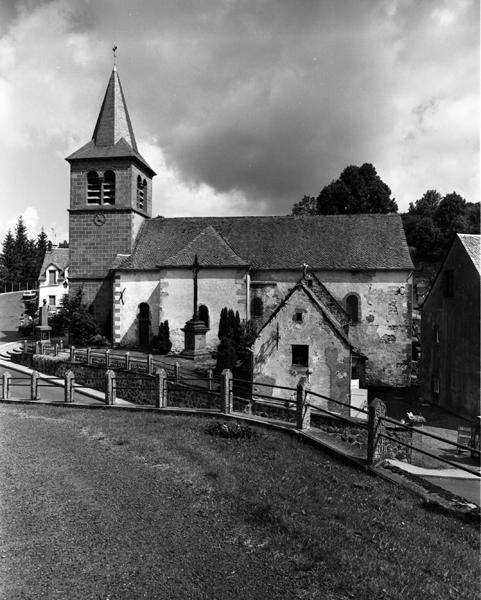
{"points": [[320, 290], [211, 250], [327, 242], [113, 135], [58, 257], [471, 243]]}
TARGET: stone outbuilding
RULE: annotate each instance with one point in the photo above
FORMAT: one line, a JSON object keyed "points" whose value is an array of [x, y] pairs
{"points": [[304, 338]]}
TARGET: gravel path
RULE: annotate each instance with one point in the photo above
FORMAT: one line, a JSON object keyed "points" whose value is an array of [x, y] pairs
{"points": [[81, 518]]}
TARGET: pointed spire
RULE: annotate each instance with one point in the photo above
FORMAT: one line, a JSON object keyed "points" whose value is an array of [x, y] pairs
{"points": [[113, 122]]}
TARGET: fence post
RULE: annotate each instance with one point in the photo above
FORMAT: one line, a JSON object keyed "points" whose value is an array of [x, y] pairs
{"points": [[160, 381], [107, 358], [25, 347], [34, 393], [55, 350], [60, 344], [127, 361], [110, 387], [6, 385], [226, 391], [69, 383], [72, 353], [303, 412], [150, 363], [89, 355], [210, 376], [375, 427], [176, 372], [38, 348]]}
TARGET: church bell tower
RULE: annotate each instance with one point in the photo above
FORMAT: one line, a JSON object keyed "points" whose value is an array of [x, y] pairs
{"points": [[110, 198]]}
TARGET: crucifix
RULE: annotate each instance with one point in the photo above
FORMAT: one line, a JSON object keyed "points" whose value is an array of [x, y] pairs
{"points": [[114, 49], [195, 273]]}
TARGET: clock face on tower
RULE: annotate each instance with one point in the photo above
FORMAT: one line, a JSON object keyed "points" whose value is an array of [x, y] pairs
{"points": [[99, 219]]}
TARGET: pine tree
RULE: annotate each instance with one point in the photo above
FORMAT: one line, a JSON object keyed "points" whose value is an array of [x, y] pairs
{"points": [[223, 329], [7, 258], [41, 246]]}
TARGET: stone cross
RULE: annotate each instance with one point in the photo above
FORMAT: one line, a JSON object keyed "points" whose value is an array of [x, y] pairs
{"points": [[195, 273]]}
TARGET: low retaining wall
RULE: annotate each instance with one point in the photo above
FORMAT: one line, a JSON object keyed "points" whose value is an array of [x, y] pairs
{"points": [[136, 387]]}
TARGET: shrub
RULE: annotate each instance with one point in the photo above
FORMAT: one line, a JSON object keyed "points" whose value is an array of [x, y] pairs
{"points": [[162, 341]]}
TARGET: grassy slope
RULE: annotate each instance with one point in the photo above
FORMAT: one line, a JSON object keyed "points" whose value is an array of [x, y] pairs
{"points": [[340, 532]]}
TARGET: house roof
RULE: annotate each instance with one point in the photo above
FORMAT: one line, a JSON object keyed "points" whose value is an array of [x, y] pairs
{"points": [[113, 134], [59, 257], [472, 246], [324, 242]]}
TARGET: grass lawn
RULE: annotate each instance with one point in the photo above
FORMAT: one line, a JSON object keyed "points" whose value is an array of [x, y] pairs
{"points": [[339, 532]]}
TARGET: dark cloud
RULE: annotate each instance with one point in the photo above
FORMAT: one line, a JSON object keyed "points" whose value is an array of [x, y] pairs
{"points": [[268, 99]]}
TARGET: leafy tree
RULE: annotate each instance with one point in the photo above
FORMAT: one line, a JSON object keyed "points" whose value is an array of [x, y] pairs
{"points": [[75, 316], [63, 244], [307, 206], [427, 205], [433, 221], [357, 190]]}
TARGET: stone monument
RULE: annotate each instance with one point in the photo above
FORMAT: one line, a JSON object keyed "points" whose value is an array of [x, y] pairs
{"points": [[43, 329], [195, 329]]}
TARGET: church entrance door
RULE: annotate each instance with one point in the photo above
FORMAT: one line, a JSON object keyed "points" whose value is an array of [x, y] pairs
{"points": [[144, 324]]}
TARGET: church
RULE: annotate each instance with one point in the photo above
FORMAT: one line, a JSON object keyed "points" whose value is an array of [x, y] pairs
{"points": [[349, 276]]}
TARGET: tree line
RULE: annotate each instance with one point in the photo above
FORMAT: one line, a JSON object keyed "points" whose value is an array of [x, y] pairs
{"points": [[22, 257], [431, 222]]}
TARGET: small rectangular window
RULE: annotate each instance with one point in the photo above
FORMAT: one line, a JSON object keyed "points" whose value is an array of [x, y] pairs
{"points": [[298, 316], [300, 355], [52, 277], [52, 300]]}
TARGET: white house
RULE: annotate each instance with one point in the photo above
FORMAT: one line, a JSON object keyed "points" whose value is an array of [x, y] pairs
{"points": [[53, 278]]}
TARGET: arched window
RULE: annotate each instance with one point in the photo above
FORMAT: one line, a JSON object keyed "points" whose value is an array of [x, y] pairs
{"points": [[257, 307], [352, 308], [93, 188], [204, 315], [109, 188], [141, 192]]}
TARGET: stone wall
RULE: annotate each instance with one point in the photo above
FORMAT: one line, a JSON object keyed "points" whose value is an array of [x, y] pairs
{"points": [[329, 356], [130, 290], [184, 396], [139, 388], [384, 331]]}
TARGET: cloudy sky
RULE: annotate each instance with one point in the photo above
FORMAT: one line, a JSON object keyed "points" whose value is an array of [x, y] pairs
{"points": [[241, 106]]}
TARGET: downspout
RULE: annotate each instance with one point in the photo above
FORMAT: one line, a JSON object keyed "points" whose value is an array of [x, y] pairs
{"points": [[248, 295]]}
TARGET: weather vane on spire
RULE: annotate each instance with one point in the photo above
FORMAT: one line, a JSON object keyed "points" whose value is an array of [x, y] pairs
{"points": [[114, 49]]}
